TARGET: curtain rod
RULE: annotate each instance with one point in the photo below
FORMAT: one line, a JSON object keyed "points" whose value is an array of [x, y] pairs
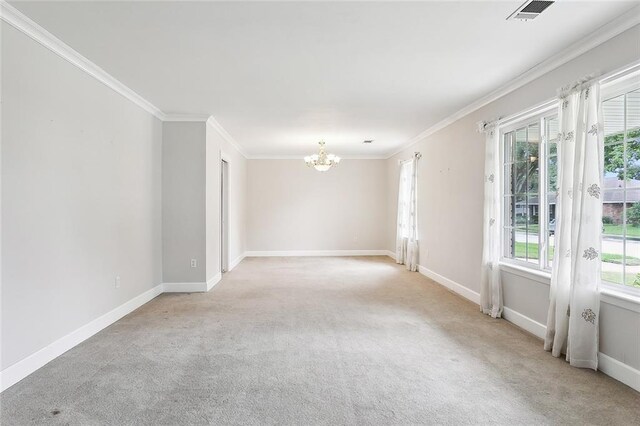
{"points": [[548, 104], [417, 155]]}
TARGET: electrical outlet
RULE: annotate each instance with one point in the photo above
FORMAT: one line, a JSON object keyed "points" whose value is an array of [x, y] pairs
{"points": [[194, 263], [118, 281]]}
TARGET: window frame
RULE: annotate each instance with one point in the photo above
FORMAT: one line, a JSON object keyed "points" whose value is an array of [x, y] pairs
{"points": [[535, 116], [611, 87]]}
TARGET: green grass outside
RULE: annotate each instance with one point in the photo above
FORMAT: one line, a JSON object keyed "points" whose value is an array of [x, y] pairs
{"points": [[617, 230], [632, 231], [521, 252], [631, 280]]}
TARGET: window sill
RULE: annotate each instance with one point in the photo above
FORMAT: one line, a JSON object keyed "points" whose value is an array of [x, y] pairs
{"points": [[609, 294], [538, 275], [613, 296]]}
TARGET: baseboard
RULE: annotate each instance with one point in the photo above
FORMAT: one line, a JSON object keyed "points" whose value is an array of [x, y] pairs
{"points": [[18, 371], [390, 254], [524, 322], [606, 364], [184, 287], [214, 280], [300, 253], [451, 285], [237, 261], [619, 371]]}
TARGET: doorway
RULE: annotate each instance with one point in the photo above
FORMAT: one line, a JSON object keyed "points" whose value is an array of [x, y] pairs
{"points": [[224, 215]]}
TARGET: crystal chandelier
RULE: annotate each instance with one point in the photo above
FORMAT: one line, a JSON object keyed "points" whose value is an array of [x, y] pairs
{"points": [[322, 161]]}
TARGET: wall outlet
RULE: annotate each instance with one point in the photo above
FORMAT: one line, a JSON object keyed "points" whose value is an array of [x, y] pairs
{"points": [[194, 263], [117, 281]]}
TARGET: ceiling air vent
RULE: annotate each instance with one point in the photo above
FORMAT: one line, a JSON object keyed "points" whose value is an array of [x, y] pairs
{"points": [[368, 141], [530, 10]]}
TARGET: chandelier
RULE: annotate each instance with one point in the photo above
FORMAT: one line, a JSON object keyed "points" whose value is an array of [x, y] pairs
{"points": [[322, 161]]}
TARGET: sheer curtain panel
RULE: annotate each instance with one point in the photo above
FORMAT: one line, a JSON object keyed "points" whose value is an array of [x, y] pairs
{"points": [[407, 230], [490, 285], [572, 321]]}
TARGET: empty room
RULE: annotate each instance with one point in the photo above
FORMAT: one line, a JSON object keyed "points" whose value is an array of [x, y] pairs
{"points": [[320, 212]]}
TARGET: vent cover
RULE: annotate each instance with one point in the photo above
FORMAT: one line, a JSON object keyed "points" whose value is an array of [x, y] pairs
{"points": [[368, 141], [530, 10]]}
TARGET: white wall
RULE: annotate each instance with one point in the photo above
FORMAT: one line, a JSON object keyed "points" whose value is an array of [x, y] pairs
{"points": [[191, 201], [216, 148], [81, 194], [451, 196], [293, 207], [183, 201]]}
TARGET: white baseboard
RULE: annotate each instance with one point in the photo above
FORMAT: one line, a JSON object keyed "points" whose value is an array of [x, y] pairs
{"points": [[619, 371], [451, 285], [299, 253], [606, 364], [18, 371], [237, 261], [184, 287], [214, 280], [524, 322], [390, 254]]}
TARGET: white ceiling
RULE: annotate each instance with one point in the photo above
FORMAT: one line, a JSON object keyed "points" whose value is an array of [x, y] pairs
{"points": [[280, 76]]}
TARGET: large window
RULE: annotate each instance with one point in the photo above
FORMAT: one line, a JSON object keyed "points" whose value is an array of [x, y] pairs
{"points": [[529, 158], [530, 161]]}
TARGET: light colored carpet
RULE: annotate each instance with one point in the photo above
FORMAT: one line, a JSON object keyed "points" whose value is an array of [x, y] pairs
{"points": [[315, 341]]}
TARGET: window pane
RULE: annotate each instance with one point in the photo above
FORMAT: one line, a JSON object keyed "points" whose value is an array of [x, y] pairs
{"points": [[521, 190], [621, 191], [551, 132], [632, 190], [632, 238], [613, 113], [633, 114]]}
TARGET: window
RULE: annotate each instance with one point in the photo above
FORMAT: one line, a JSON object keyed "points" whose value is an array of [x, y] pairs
{"points": [[530, 170], [621, 184], [530, 162]]}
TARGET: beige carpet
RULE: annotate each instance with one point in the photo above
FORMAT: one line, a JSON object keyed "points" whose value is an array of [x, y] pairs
{"points": [[315, 341]]}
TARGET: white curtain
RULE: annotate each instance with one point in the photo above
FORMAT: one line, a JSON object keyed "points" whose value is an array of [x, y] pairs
{"points": [[407, 233], [490, 286], [572, 322]]}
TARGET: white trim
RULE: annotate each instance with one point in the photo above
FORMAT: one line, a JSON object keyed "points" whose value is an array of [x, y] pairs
{"points": [[391, 254], [236, 261], [542, 110], [451, 285], [18, 371], [606, 364], [538, 275], [302, 253], [186, 117], [596, 38], [197, 287], [620, 299], [524, 322], [214, 280], [301, 157], [225, 135], [22, 23], [619, 371]]}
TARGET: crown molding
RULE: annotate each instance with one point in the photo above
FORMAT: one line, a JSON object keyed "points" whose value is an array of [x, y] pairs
{"points": [[186, 117], [225, 135], [596, 38], [301, 157], [22, 23], [33, 30]]}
